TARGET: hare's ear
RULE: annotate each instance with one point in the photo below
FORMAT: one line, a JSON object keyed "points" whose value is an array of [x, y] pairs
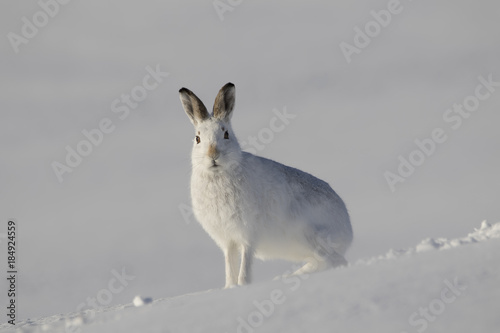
{"points": [[224, 102], [194, 107]]}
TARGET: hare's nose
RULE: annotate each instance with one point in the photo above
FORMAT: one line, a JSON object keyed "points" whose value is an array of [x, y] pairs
{"points": [[213, 152]]}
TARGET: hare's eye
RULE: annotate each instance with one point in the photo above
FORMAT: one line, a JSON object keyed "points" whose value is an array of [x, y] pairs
{"points": [[226, 135], [198, 140]]}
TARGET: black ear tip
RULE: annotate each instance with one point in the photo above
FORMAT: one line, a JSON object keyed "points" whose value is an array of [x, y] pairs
{"points": [[183, 90], [228, 85]]}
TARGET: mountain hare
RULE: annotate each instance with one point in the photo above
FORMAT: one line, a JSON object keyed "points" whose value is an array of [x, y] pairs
{"points": [[253, 206]]}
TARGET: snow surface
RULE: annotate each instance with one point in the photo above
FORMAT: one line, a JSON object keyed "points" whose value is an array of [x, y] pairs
{"points": [[140, 301], [421, 289], [484, 232]]}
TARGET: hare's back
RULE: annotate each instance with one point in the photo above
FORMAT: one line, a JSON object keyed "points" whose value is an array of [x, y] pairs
{"points": [[306, 202], [300, 184], [301, 189]]}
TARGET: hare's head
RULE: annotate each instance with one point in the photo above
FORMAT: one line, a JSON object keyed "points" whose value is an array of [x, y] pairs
{"points": [[215, 147]]}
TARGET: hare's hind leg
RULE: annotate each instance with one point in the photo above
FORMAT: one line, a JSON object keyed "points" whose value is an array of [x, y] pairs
{"points": [[320, 262], [325, 254], [231, 257]]}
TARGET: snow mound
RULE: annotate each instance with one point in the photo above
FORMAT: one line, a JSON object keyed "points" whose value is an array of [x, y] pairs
{"points": [[484, 232], [140, 301], [459, 286]]}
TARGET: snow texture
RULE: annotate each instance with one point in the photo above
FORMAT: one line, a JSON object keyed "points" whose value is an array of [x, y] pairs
{"points": [[430, 290], [140, 301], [484, 232]]}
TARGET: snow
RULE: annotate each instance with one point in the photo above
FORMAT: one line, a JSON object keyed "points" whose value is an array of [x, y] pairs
{"points": [[140, 301], [484, 232], [424, 290]]}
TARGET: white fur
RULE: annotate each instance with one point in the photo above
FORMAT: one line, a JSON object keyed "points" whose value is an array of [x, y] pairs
{"points": [[253, 206]]}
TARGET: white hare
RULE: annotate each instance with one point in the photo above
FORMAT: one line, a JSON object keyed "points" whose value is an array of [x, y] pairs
{"points": [[255, 207]]}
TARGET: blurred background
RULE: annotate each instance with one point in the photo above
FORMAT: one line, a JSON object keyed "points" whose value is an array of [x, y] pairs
{"points": [[126, 205]]}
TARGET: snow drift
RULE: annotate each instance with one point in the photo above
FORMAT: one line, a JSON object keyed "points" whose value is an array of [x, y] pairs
{"points": [[423, 289]]}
